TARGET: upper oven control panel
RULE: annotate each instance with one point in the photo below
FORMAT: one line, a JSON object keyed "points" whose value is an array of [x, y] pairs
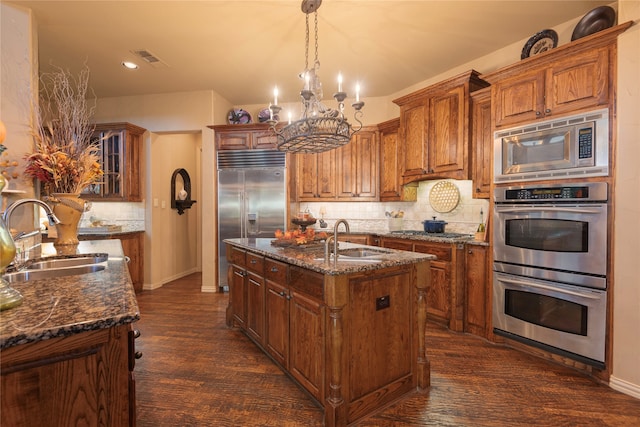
{"points": [[593, 191]]}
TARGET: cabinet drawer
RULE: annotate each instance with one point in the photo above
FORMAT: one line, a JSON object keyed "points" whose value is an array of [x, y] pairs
{"points": [[255, 263], [307, 282], [443, 252], [236, 256], [275, 271]]}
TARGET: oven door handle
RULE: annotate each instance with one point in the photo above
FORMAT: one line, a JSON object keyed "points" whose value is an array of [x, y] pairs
{"points": [[549, 209], [549, 288]]}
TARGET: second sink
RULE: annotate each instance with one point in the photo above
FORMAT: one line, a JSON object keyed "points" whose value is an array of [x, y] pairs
{"points": [[361, 252], [54, 262]]}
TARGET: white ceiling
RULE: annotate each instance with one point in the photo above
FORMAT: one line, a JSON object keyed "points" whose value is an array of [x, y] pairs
{"points": [[242, 48]]}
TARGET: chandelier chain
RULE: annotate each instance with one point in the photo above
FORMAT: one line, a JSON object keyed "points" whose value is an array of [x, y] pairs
{"points": [[306, 45], [315, 14]]}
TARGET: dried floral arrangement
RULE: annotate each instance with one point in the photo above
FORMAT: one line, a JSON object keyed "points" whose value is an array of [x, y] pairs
{"points": [[65, 158]]}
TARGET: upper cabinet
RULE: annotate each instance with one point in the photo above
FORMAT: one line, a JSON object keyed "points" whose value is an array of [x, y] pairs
{"points": [[357, 167], [481, 143], [571, 78], [121, 161], [434, 129], [391, 165], [316, 176], [257, 136], [347, 173]]}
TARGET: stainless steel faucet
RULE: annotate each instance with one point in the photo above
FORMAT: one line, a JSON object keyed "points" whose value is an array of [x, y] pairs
{"points": [[327, 254], [53, 220]]}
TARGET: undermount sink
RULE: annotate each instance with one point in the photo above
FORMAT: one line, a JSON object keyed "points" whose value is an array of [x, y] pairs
{"points": [[52, 267], [27, 275], [360, 252], [54, 263]]}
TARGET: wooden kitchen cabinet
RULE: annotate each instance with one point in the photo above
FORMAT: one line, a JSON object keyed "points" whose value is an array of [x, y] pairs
{"points": [[316, 176], [434, 129], [478, 291], [82, 379], [347, 173], [357, 167], [237, 311], [255, 288], [574, 77], [245, 137], [277, 311], [445, 294], [121, 160], [295, 324], [306, 331], [481, 143], [391, 165]]}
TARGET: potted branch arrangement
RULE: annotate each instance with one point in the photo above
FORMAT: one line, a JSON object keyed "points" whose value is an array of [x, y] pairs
{"points": [[65, 159]]}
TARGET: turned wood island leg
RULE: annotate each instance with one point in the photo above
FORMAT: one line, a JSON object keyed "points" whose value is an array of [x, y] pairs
{"points": [[335, 409], [422, 278]]}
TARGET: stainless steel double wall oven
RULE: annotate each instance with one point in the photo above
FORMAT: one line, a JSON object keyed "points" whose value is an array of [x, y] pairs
{"points": [[550, 254]]}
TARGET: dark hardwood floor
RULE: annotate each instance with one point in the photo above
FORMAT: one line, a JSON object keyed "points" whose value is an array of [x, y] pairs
{"points": [[197, 372]]}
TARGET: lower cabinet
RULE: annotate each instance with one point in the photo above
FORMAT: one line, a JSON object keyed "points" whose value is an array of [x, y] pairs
{"points": [[82, 379], [133, 248], [445, 294], [294, 322], [237, 310], [478, 293]]}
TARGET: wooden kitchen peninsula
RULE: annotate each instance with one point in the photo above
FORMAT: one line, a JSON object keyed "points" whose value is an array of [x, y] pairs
{"points": [[352, 334]]}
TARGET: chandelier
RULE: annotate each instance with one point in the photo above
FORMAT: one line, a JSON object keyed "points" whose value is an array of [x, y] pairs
{"points": [[319, 128]]}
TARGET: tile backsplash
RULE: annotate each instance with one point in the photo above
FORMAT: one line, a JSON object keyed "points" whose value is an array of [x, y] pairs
{"points": [[369, 217], [113, 213]]}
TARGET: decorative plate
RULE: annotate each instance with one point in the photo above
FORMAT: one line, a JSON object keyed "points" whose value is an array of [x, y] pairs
{"points": [[238, 116], [444, 196], [265, 114], [540, 42], [598, 19]]}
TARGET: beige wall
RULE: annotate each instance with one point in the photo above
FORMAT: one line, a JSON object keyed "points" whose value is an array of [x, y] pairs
{"points": [[173, 240], [626, 296], [17, 58], [175, 114]]}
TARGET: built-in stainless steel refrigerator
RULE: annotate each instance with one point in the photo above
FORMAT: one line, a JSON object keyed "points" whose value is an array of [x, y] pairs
{"points": [[251, 198]]}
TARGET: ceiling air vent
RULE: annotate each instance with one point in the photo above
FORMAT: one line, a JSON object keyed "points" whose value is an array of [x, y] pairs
{"points": [[150, 58]]}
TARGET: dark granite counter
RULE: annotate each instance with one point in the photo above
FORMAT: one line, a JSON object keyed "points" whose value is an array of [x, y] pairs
{"points": [[106, 232], [313, 259], [67, 305]]}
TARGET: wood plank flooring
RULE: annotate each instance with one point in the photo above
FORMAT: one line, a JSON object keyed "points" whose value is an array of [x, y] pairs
{"points": [[197, 372]]}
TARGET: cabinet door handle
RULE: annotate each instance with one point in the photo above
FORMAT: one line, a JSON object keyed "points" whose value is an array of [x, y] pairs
{"points": [[138, 355], [127, 259], [136, 333], [253, 261], [538, 113], [288, 297], [547, 111], [274, 269], [281, 293]]}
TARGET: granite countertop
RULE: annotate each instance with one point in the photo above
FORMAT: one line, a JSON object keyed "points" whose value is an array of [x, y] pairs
{"points": [[68, 305], [313, 259]]}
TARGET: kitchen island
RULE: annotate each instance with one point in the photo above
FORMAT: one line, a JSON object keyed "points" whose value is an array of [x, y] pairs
{"points": [[67, 352], [351, 333]]}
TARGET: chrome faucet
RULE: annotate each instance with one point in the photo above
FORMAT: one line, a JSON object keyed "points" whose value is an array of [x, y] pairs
{"points": [[53, 220], [335, 241]]}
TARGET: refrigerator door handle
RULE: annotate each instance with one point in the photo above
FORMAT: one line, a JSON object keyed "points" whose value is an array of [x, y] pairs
{"points": [[241, 203]]}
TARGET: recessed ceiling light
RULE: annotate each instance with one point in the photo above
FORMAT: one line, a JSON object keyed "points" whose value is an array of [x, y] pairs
{"points": [[129, 65]]}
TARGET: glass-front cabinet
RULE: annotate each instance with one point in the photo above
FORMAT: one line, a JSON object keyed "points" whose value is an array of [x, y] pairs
{"points": [[121, 158]]}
